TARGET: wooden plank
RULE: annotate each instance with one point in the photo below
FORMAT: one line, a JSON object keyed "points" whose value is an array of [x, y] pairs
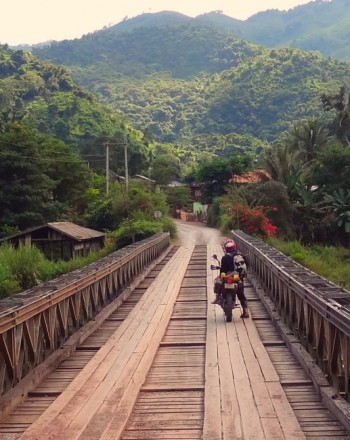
{"points": [[164, 435], [272, 429], [266, 366], [284, 411], [251, 423], [85, 386], [260, 393], [253, 403], [231, 420], [122, 408], [212, 429]]}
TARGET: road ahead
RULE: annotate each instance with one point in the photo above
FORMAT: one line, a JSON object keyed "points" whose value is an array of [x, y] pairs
{"points": [[190, 234]]}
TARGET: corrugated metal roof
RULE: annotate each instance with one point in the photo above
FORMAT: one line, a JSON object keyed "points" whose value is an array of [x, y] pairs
{"points": [[75, 231]]}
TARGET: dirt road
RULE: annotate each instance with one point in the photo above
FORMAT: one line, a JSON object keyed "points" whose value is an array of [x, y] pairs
{"points": [[190, 234]]}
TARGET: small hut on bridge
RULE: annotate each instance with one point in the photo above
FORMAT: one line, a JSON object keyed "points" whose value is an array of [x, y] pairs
{"points": [[60, 240]]}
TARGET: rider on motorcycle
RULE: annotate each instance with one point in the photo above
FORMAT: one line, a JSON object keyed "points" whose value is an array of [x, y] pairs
{"points": [[228, 265]]}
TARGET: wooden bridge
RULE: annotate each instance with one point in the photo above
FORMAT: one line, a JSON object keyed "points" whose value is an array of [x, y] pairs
{"points": [[131, 348]]}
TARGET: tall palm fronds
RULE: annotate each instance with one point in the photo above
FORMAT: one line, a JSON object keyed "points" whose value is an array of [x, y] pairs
{"points": [[340, 104], [309, 138]]}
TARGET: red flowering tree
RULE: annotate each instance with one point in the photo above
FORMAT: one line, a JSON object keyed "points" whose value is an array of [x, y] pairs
{"points": [[253, 221]]}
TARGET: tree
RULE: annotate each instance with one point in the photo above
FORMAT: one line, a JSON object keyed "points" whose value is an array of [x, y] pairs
{"points": [[332, 170], [293, 158], [165, 168], [25, 187], [216, 174], [339, 203], [41, 179], [309, 138], [107, 212], [178, 197], [340, 104]]}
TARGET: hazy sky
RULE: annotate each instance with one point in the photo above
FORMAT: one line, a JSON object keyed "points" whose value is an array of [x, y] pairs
{"points": [[34, 21]]}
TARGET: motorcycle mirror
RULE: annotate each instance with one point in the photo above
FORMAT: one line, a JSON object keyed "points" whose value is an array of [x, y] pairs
{"points": [[215, 257]]}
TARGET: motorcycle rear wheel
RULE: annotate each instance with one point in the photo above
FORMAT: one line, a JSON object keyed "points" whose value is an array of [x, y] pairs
{"points": [[228, 306]]}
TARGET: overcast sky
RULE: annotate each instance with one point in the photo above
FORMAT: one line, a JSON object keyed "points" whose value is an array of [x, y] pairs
{"points": [[35, 21]]}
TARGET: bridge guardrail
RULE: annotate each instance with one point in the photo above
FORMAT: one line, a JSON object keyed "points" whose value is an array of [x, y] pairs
{"points": [[37, 322], [316, 310]]}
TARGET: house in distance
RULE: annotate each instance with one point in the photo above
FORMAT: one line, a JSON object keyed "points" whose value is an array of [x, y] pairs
{"points": [[60, 240]]}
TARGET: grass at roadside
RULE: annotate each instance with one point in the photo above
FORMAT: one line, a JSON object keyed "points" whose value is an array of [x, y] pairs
{"points": [[330, 262], [26, 267]]}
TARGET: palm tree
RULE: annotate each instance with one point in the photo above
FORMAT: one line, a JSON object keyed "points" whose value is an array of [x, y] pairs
{"points": [[309, 138], [341, 105], [339, 203]]}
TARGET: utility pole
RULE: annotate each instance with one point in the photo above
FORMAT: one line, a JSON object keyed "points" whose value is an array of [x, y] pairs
{"points": [[126, 163], [107, 168]]}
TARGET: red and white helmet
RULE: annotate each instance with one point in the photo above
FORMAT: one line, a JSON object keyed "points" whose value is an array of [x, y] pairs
{"points": [[230, 246]]}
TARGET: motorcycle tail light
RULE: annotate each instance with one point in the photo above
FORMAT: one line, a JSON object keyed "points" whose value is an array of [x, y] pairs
{"points": [[229, 280]]}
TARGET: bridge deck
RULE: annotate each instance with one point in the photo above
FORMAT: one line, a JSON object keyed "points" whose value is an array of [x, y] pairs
{"points": [[173, 369]]}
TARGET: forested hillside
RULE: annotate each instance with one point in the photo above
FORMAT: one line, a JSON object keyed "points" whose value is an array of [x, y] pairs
{"points": [[321, 25], [188, 80], [50, 129], [44, 96]]}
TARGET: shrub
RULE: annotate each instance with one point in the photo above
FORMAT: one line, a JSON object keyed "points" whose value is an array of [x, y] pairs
{"points": [[8, 284], [135, 229], [253, 221], [226, 224], [168, 225], [214, 212], [24, 264], [25, 267]]}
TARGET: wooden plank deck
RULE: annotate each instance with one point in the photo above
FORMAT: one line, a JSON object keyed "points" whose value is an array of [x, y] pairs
{"points": [[243, 396], [98, 402]]}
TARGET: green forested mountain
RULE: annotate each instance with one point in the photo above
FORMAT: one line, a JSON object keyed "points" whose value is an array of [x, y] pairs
{"points": [[182, 50], [187, 80], [50, 129], [320, 25], [44, 96]]}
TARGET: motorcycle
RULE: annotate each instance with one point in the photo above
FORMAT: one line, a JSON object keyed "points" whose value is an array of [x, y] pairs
{"points": [[226, 286]]}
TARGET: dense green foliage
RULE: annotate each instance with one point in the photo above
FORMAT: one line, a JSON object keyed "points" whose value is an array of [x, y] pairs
{"points": [[319, 25], [308, 197], [214, 175], [191, 82], [26, 267], [128, 215], [44, 96], [106, 211], [41, 179], [184, 50]]}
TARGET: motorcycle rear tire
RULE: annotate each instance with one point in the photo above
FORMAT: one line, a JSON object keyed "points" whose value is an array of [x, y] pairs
{"points": [[228, 306]]}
